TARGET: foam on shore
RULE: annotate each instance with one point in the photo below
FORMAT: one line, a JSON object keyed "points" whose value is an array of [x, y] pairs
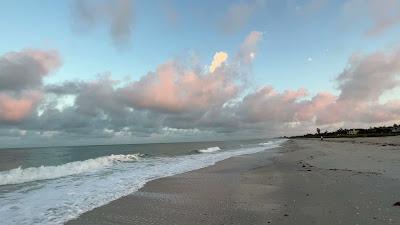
{"points": [[77, 187], [209, 150], [20, 175]]}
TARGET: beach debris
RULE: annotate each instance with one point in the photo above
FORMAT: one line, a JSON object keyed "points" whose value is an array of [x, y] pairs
{"points": [[396, 204], [344, 170], [305, 166]]}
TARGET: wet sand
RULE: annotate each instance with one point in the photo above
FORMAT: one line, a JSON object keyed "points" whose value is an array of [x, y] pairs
{"points": [[308, 182]]}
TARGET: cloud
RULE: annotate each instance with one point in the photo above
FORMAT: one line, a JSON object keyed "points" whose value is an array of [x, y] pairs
{"points": [[174, 88], [13, 110], [176, 96], [268, 105], [239, 14], [179, 100], [21, 81], [248, 49], [218, 60], [382, 14], [361, 84], [26, 69], [367, 77], [65, 88], [116, 15]]}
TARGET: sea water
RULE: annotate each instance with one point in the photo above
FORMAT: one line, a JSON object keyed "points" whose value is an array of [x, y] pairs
{"points": [[55, 184]]}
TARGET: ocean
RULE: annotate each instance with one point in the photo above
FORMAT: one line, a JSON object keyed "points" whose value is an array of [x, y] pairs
{"points": [[55, 184]]}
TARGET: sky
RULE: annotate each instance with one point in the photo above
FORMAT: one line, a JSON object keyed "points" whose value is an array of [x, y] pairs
{"points": [[122, 71]]}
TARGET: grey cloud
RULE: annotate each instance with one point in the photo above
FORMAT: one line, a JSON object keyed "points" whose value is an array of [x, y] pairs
{"points": [[367, 77], [117, 15], [21, 79], [383, 15], [178, 100], [65, 88], [26, 69]]}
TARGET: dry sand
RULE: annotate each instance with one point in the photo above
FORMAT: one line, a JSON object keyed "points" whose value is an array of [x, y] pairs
{"points": [[336, 181]]}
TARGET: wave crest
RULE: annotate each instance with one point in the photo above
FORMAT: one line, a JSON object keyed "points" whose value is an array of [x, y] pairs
{"points": [[21, 175], [209, 150], [273, 144]]}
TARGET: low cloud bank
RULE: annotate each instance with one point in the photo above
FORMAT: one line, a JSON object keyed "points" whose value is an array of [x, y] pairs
{"points": [[178, 100]]}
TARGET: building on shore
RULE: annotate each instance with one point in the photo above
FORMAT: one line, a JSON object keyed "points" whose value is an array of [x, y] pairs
{"points": [[353, 132], [396, 129]]}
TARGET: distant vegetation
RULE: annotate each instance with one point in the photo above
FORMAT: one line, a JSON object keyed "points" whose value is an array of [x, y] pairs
{"points": [[370, 132]]}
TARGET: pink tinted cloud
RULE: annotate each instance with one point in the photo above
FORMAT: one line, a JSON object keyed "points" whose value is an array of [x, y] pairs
{"points": [[316, 107], [48, 60], [173, 88], [266, 104], [21, 81], [361, 84], [16, 109]]}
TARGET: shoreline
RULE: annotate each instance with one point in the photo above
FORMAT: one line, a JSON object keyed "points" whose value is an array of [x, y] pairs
{"points": [[308, 182], [180, 198]]}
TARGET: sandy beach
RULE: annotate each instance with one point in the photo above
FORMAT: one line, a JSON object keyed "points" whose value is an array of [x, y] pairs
{"points": [[335, 181]]}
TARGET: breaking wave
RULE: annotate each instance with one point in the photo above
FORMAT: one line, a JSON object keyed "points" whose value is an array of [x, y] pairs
{"points": [[93, 183], [21, 175], [273, 144], [209, 150]]}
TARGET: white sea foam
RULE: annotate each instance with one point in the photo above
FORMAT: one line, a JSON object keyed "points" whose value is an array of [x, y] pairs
{"points": [[56, 201], [20, 175], [209, 150], [273, 144]]}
